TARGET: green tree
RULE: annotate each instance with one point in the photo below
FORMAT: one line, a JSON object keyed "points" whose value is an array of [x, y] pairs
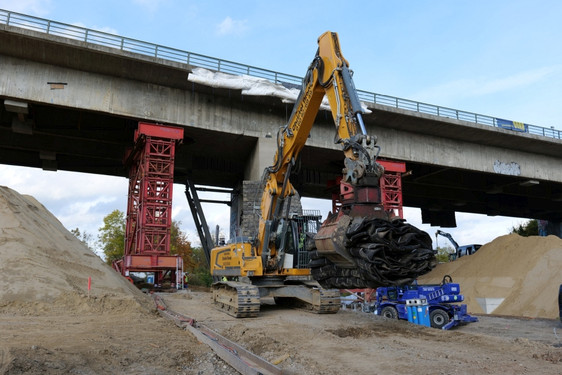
{"points": [[443, 254], [529, 228], [180, 245], [112, 236], [200, 274]]}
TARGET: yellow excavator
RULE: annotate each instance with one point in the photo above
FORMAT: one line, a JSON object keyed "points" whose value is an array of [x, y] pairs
{"points": [[361, 245]]}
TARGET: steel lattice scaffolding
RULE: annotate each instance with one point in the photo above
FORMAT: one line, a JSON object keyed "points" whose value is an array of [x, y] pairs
{"points": [[391, 186], [149, 207], [389, 193]]}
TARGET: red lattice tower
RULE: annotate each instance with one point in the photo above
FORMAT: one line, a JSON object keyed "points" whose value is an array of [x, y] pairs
{"points": [[391, 186], [149, 207]]}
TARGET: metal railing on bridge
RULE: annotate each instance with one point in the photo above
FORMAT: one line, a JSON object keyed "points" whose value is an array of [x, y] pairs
{"points": [[172, 54]]}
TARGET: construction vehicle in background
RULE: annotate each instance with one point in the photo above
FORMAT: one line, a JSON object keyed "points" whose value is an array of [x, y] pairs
{"points": [[362, 245], [440, 303], [459, 250]]}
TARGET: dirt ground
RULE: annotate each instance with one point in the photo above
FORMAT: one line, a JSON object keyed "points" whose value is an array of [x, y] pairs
{"points": [[52, 322], [49, 340], [95, 336], [360, 343]]}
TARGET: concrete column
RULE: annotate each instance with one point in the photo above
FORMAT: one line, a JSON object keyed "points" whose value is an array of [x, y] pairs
{"points": [[260, 158], [250, 213], [555, 228], [246, 212], [249, 218], [235, 211]]}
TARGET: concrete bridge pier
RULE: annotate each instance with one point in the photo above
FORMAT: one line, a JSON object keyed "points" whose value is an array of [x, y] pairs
{"points": [[555, 228], [246, 199], [245, 210]]}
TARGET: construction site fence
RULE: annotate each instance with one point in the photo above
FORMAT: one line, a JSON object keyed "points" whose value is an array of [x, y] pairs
{"points": [[225, 66]]}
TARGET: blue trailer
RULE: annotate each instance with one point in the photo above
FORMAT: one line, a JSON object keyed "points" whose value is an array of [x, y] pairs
{"points": [[440, 301]]}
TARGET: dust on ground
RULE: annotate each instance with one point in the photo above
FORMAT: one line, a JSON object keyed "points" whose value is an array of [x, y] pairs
{"points": [[51, 324]]}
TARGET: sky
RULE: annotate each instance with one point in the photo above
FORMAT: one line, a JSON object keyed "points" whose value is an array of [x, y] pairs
{"points": [[498, 58]]}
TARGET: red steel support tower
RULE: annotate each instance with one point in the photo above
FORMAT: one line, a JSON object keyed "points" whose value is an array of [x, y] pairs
{"points": [[149, 207], [391, 186]]}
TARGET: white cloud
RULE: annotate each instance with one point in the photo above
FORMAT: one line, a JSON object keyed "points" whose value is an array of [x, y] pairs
{"points": [[83, 214], [471, 228], [33, 7], [473, 87], [76, 199], [61, 185], [230, 26]]}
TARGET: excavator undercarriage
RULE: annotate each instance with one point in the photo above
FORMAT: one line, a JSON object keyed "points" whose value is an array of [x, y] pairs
{"points": [[242, 299]]}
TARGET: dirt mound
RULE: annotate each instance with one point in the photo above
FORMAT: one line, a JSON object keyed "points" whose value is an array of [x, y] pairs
{"points": [[511, 275], [45, 267]]}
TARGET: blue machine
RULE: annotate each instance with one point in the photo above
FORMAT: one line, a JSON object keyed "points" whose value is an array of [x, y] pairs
{"points": [[430, 305]]}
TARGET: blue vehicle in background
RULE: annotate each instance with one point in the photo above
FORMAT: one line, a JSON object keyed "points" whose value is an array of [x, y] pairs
{"points": [[441, 302]]}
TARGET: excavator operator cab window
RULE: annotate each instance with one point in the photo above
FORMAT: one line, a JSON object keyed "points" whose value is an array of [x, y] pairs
{"points": [[291, 241], [286, 238]]}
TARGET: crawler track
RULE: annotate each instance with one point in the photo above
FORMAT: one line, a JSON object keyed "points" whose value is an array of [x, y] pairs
{"points": [[239, 300], [322, 301], [329, 301]]}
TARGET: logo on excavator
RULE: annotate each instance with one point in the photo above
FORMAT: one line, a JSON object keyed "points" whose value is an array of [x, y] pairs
{"points": [[295, 126]]}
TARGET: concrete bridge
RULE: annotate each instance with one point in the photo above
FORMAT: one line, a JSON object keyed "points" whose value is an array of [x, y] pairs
{"points": [[71, 98]]}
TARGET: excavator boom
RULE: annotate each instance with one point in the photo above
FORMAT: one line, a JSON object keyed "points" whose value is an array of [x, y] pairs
{"points": [[327, 76]]}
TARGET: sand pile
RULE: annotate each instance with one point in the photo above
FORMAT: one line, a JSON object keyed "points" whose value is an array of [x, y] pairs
{"points": [[511, 275], [45, 267]]}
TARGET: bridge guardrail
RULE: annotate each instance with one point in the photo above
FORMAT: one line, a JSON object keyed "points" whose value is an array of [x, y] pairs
{"points": [[231, 67]]}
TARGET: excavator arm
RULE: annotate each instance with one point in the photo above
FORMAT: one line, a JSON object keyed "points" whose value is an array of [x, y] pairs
{"points": [[449, 237], [328, 76]]}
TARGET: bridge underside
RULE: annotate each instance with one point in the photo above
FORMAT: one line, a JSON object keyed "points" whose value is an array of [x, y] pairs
{"points": [[55, 138], [124, 88]]}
